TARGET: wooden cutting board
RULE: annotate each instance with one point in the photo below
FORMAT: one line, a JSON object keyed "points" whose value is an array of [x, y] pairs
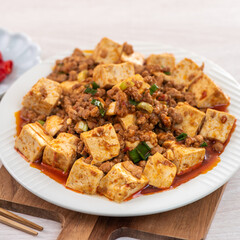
{"points": [[190, 222]]}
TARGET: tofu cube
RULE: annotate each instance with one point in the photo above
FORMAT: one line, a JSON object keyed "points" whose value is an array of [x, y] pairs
{"points": [[192, 119], [107, 75], [207, 93], [43, 96], [102, 143], [128, 120], [160, 171], [67, 86], [111, 109], [69, 138], [135, 58], [84, 177], [217, 125], [53, 124], [107, 51], [32, 141], [131, 81], [164, 60], [186, 72], [59, 154], [119, 183], [187, 158]]}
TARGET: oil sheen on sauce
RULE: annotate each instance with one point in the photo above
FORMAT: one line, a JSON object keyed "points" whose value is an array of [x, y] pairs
{"points": [[210, 161]]}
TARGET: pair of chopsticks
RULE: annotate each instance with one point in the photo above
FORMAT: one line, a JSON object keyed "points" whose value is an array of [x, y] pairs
{"points": [[13, 220]]}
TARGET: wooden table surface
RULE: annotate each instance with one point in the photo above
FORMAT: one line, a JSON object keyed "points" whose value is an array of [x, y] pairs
{"points": [[209, 28]]}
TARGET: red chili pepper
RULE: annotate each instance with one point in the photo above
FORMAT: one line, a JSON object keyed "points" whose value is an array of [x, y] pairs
{"points": [[126, 149], [8, 66], [5, 68]]}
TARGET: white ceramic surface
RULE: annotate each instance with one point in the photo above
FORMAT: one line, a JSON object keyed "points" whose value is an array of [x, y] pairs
{"points": [[22, 51], [48, 189]]}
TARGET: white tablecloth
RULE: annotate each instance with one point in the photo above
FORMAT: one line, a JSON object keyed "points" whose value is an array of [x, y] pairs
{"points": [[209, 28]]}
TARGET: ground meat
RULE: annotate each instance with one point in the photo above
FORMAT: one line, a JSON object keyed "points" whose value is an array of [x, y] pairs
{"points": [[133, 93], [30, 116], [133, 169], [162, 137], [156, 149], [165, 120], [218, 147], [190, 98], [106, 166], [142, 164], [174, 93], [127, 48]]}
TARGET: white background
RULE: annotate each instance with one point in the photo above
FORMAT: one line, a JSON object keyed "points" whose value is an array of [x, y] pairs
{"points": [[209, 28]]}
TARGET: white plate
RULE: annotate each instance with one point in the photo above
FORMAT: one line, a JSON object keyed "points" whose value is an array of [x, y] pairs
{"points": [[49, 190], [22, 51]]}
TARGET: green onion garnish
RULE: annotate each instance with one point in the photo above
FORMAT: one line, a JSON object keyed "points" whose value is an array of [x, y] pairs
{"points": [[153, 89], [95, 85], [181, 137], [90, 90], [133, 102], [125, 84], [41, 122], [167, 73], [99, 105], [141, 152], [204, 144], [134, 156], [146, 106]]}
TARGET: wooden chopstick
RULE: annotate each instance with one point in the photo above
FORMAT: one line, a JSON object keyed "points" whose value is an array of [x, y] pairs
{"points": [[21, 220], [17, 225]]}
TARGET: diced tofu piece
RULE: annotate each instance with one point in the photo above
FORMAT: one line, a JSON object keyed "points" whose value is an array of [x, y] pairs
{"points": [[207, 93], [119, 183], [102, 143], [131, 82], [69, 138], [192, 119], [111, 109], [187, 158], [107, 75], [84, 177], [107, 51], [38, 128], [31, 143], [164, 60], [67, 86], [186, 72], [217, 125], [59, 154], [53, 124], [128, 120], [160, 171], [135, 58], [43, 96], [131, 145]]}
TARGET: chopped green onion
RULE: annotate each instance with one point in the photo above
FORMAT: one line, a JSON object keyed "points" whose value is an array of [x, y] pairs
{"points": [[181, 137], [99, 105], [133, 102], [204, 144], [125, 84], [95, 85], [41, 122], [146, 106], [153, 89], [90, 90], [141, 152], [134, 156], [167, 73]]}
